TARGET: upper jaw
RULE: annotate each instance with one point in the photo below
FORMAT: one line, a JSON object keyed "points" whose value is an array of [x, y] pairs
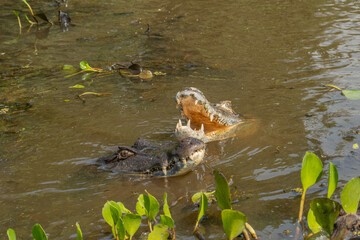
{"points": [[205, 120]]}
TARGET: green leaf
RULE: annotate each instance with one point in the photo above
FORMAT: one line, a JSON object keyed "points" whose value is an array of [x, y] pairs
{"points": [[352, 94], [79, 232], [233, 222], [202, 207], [16, 13], [120, 228], [151, 206], [325, 211], [86, 76], [160, 232], [313, 225], [196, 197], [68, 67], [311, 170], [11, 234], [123, 209], [38, 232], [77, 86], [350, 195], [115, 211], [111, 212], [140, 205], [131, 223], [84, 65], [168, 221], [333, 179], [166, 208], [222, 192]]}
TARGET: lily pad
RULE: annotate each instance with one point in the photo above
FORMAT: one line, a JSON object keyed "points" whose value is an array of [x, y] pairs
{"points": [[352, 94]]}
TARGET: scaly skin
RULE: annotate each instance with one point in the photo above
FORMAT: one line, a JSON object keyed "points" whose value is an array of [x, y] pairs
{"points": [[206, 121], [145, 158]]}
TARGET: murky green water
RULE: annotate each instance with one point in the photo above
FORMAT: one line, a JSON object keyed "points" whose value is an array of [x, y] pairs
{"points": [[271, 58]]}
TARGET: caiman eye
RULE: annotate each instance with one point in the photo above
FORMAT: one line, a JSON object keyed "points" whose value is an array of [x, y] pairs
{"points": [[125, 154]]}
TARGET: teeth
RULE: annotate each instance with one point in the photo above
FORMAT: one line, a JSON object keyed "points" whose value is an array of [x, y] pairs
{"points": [[188, 123], [179, 124], [164, 170], [183, 161], [211, 117], [202, 128], [196, 102]]}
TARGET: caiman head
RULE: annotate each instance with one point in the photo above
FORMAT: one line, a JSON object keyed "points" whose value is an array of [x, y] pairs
{"points": [[205, 121], [144, 158]]}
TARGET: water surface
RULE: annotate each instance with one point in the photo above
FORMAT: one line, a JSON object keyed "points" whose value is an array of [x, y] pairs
{"points": [[270, 58]]}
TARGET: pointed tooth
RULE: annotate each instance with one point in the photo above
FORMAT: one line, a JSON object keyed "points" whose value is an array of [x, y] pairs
{"points": [[179, 123], [202, 128], [164, 170], [196, 102], [188, 123], [183, 161], [211, 117]]}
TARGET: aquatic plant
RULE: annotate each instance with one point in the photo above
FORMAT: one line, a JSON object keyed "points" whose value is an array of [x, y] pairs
{"points": [[38, 233]]}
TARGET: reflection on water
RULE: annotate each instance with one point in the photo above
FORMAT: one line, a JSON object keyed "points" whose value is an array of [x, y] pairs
{"points": [[271, 58]]}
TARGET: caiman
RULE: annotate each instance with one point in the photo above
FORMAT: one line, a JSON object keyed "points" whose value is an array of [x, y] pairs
{"points": [[206, 121], [146, 158]]}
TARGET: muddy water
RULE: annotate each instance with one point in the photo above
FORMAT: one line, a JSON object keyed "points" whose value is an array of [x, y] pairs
{"points": [[271, 58]]}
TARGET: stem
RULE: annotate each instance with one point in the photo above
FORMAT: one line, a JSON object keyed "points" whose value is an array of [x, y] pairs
{"points": [[302, 206], [173, 231], [31, 11], [196, 226], [150, 227], [251, 230], [246, 235]]}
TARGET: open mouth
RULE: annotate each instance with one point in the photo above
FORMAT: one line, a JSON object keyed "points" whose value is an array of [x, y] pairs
{"points": [[204, 120]]}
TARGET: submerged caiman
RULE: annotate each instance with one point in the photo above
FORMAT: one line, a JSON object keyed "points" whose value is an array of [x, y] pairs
{"points": [[146, 158], [206, 121]]}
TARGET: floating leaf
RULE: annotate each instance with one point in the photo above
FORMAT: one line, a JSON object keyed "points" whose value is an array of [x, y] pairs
{"points": [[84, 65], [325, 211], [131, 223], [350, 195], [160, 232], [77, 86], [68, 67], [38, 232], [159, 74], [311, 220], [79, 232], [11, 234], [355, 146], [66, 100], [146, 75], [168, 221], [222, 192], [233, 222], [352, 94], [311, 170], [333, 179]]}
